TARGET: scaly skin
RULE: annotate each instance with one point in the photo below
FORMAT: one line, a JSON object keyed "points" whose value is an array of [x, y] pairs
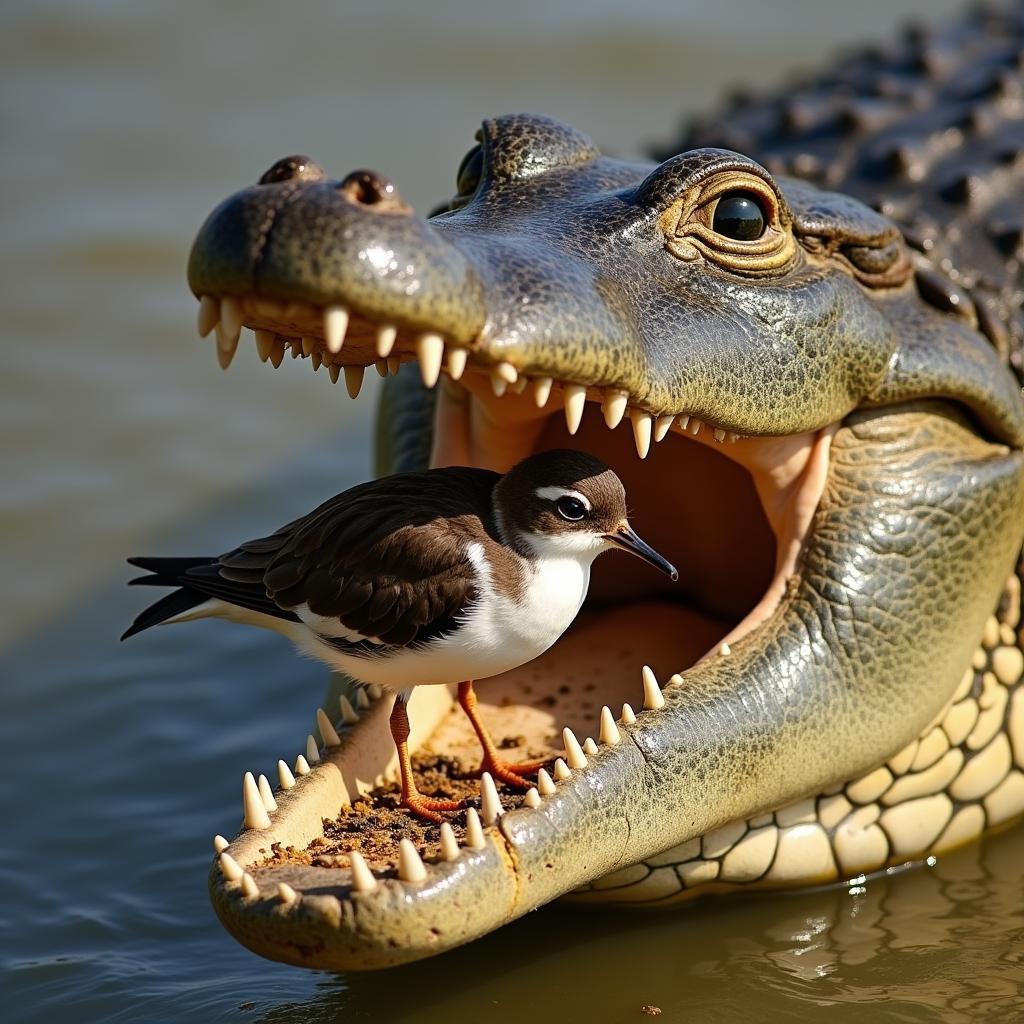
{"points": [[875, 715]]}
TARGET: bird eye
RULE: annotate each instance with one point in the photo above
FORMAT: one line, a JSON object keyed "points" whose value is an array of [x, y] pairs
{"points": [[470, 171], [571, 509], [741, 216]]}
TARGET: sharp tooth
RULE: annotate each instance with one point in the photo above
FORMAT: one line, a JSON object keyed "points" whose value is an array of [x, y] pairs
{"points": [[394, 364], [573, 751], [277, 352], [457, 358], [507, 372], [532, 798], [662, 425], [498, 385], [609, 730], [249, 886], [308, 345], [327, 730], [474, 833], [286, 894], [362, 701], [542, 391], [335, 326], [316, 360], [724, 649], [694, 427], [266, 794], [209, 314], [231, 317], [642, 426], [410, 867], [284, 775], [375, 691], [561, 770], [349, 715], [449, 844], [674, 680], [575, 400], [545, 786], [589, 746], [386, 340], [653, 700], [301, 765], [335, 371], [362, 876], [220, 844], [312, 750], [254, 813], [490, 802], [381, 366], [682, 421], [430, 352], [264, 344], [229, 868], [227, 345], [295, 346], [614, 408], [353, 380], [719, 434], [628, 717]]}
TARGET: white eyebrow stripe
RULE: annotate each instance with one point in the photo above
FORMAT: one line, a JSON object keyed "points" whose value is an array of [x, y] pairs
{"points": [[553, 493]]}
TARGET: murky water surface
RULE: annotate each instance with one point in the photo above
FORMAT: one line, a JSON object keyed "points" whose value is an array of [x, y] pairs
{"points": [[122, 124]]}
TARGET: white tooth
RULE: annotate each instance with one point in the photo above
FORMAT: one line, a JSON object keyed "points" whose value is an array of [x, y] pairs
{"points": [[386, 340], [264, 344], [231, 317], [609, 730], [284, 775], [209, 314], [457, 358], [335, 326], [498, 385], [312, 750], [277, 352], [474, 833], [353, 380], [507, 372], [449, 844], [254, 813], [724, 650], [695, 426], [394, 364], [266, 794], [308, 345], [652, 691], [349, 715], [220, 844], [410, 867], [327, 730], [614, 408], [719, 434], [573, 751], [375, 691], [545, 786], [381, 366], [683, 420], [335, 371], [589, 746], [674, 680], [733, 438], [286, 894], [662, 425], [362, 701], [430, 352], [561, 770], [575, 400], [362, 876], [229, 868], [490, 802], [249, 886], [316, 360], [642, 425], [532, 798], [628, 717], [542, 391], [226, 347], [301, 765]]}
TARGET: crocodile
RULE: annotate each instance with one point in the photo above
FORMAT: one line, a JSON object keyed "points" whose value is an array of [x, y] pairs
{"points": [[797, 336]]}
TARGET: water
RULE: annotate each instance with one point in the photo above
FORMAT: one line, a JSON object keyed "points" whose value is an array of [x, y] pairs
{"points": [[122, 124]]}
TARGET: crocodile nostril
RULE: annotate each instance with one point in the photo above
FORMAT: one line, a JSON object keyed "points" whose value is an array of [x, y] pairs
{"points": [[294, 168], [368, 188]]}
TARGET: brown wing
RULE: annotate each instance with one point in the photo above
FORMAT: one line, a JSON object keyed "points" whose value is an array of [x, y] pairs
{"points": [[386, 559]]}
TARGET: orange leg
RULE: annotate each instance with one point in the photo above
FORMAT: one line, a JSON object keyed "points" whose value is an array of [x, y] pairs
{"points": [[421, 806], [493, 762]]}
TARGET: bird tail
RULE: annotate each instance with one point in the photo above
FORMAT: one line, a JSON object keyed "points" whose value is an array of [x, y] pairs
{"points": [[165, 572]]}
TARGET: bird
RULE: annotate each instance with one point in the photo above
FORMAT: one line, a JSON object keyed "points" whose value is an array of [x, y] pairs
{"points": [[444, 576]]}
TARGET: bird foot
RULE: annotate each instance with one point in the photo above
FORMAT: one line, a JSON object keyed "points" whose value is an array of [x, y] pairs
{"points": [[511, 774], [426, 808]]}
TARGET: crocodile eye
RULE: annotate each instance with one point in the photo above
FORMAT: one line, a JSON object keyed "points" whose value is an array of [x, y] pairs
{"points": [[739, 215], [470, 171], [571, 509]]}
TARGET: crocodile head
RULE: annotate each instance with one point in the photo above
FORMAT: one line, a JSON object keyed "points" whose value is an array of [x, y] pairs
{"points": [[833, 464]]}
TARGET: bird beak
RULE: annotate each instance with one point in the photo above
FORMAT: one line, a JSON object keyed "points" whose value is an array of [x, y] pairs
{"points": [[625, 538]]}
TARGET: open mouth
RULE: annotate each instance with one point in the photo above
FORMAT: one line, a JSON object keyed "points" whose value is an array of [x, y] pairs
{"points": [[730, 512]]}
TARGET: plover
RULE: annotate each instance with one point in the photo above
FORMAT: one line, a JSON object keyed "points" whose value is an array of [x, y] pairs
{"points": [[445, 576]]}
